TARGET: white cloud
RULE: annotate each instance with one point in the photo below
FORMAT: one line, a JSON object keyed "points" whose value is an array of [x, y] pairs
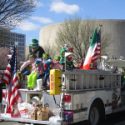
{"points": [[61, 7], [30, 26], [27, 26], [57, 0], [43, 20], [37, 3]]}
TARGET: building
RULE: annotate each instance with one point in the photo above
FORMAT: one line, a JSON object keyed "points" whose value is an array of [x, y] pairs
{"points": [[8, 39], [114, 28]]}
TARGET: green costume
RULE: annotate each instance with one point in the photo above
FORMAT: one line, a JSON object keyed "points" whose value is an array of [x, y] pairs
{"points": [[31, 80], [69, 65], [62, 56]]}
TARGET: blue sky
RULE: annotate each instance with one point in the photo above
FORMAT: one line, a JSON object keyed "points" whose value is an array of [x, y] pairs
{"points": [[54, 11]]}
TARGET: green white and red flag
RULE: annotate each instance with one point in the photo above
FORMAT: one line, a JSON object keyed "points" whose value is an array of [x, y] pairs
{"points": [[94, 51]]}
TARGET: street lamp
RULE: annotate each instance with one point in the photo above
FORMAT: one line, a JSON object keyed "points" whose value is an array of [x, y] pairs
{"points": [[16, 48]]}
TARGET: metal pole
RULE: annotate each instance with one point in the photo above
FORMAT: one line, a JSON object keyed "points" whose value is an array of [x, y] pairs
{"points": [[65, 61], [61, 108]]}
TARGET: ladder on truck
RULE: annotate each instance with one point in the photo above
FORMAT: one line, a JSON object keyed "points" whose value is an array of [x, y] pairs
{"points": [[81, 80]]}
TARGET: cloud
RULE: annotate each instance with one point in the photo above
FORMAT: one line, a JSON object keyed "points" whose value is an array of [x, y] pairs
{"points": [[61, 7], [43, 20], [27, 26], [38, 3], [57, 0], [34, 23]]}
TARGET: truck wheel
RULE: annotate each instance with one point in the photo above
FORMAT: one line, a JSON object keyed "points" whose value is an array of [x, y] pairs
{"points": [[94, 116]]}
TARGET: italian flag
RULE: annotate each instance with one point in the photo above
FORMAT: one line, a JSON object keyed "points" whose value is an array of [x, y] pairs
{"points": [[94, 50]]}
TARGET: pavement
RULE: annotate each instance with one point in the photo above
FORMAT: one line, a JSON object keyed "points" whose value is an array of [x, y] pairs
{"points": [[15, 123], [10, 123]]}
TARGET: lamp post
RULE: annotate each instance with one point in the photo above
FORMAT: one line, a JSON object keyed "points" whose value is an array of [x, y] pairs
{"points": [[16, 48]]}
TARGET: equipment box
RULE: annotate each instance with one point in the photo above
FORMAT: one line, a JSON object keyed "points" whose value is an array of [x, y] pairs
{"points": [[55, 81]]}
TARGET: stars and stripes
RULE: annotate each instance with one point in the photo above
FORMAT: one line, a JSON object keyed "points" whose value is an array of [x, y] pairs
{"points": [[97, 52], [7, 74], [11, 80]]}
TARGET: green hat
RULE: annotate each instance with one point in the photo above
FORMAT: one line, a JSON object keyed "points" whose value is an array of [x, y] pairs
{"points": [[35, 43]]}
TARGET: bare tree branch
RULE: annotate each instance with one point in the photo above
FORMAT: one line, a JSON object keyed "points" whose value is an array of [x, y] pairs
{"points": [[14, 11], [77, 33]]}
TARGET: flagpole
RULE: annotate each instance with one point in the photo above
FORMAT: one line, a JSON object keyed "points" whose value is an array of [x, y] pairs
{"points": [[6, 100], [11, 68], [100, 25]]}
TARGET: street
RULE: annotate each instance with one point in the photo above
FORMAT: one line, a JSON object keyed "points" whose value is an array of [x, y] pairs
{"points": [[116, 119]]}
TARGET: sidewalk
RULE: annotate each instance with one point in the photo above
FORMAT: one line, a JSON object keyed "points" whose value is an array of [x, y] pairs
{"points": [[10, 123]]}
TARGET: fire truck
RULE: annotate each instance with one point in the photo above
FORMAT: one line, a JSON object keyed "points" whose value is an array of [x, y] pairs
{"points": [[81, 95], [90, 95]]}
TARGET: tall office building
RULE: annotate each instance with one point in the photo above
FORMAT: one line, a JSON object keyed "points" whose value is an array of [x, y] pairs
{"points": [[8, 39]]}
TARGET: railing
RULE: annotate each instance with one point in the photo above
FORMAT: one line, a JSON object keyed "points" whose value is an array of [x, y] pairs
{"points": [[87, 80]]}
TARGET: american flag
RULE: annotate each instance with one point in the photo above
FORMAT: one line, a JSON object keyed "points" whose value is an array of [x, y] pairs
{"points": [[11, 67], [97, 51], [12, 82]]}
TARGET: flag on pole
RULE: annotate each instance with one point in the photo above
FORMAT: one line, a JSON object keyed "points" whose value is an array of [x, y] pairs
{"points": [[11, 80], [10, 67], [7, 74], [94, 51]]}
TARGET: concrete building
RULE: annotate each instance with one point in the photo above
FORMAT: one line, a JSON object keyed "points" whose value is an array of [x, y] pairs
{"points": [[115, 29], [8, 38]]}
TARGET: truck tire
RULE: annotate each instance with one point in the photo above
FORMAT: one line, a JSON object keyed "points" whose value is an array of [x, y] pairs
{"points": [[96, 114]]}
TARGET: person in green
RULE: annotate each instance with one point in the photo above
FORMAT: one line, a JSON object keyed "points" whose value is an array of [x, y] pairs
{"points": [[69, 62], [37, 73], [62, 57], [26, 67], [31, 80], [32, 77], [36, 49]]}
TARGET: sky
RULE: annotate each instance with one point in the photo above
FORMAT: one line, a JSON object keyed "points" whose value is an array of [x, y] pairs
{"points": [[49, 12]]}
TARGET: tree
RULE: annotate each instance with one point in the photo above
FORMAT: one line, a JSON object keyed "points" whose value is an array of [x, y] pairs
{"points": [[14, 11], [3, 55], [76, 33]]}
